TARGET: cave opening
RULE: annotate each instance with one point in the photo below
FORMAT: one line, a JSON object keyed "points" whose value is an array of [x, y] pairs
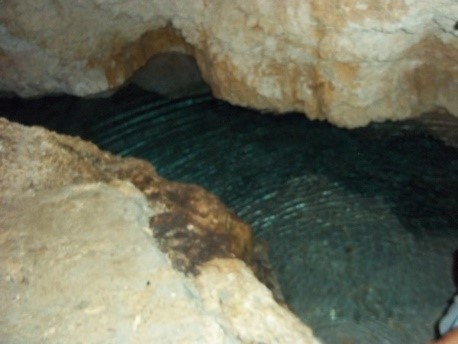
{"points": [[361, 223]]}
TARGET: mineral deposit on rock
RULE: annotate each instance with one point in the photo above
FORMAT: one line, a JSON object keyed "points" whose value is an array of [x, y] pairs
{"points": [[346, 61]]}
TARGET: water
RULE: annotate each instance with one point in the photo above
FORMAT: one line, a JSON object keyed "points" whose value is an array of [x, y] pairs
{"points": [[362, 224]]}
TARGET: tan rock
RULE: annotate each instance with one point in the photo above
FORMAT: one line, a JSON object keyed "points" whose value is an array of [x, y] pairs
{"points": [[346, 61], [191, 224], [77, 266], [87, 257], [229, 289]]}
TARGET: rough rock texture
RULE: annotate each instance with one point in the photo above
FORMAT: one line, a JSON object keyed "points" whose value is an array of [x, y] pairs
{"points": [[77, 266], [190, 224], [80, 261], [185, 217], [346, 61]]}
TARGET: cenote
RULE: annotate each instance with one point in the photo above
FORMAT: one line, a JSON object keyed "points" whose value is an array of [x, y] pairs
{"points": [[362, 224]]}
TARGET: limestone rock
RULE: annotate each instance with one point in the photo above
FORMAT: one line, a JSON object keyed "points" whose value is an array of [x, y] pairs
{"points": [[85, 256], [191, 225], [346, 61]]}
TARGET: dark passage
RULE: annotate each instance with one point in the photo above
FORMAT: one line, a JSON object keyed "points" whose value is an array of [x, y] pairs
{"points": [[362, 224]]}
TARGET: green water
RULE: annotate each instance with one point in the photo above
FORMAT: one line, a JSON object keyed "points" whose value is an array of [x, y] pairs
{"points": [[362, 224]]}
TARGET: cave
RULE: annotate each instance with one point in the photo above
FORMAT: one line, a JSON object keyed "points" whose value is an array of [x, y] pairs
{"points": [[358, 216], [361, 224]]}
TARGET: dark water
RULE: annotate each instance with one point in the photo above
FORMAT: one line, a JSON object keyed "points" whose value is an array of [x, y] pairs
{"points": [[362, 224]]}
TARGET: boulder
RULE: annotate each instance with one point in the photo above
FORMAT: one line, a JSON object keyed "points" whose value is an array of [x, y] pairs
{"points": [[99, 249]]}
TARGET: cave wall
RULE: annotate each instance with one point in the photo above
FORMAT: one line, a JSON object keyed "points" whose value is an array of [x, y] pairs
{"points": [[346, 61]]}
